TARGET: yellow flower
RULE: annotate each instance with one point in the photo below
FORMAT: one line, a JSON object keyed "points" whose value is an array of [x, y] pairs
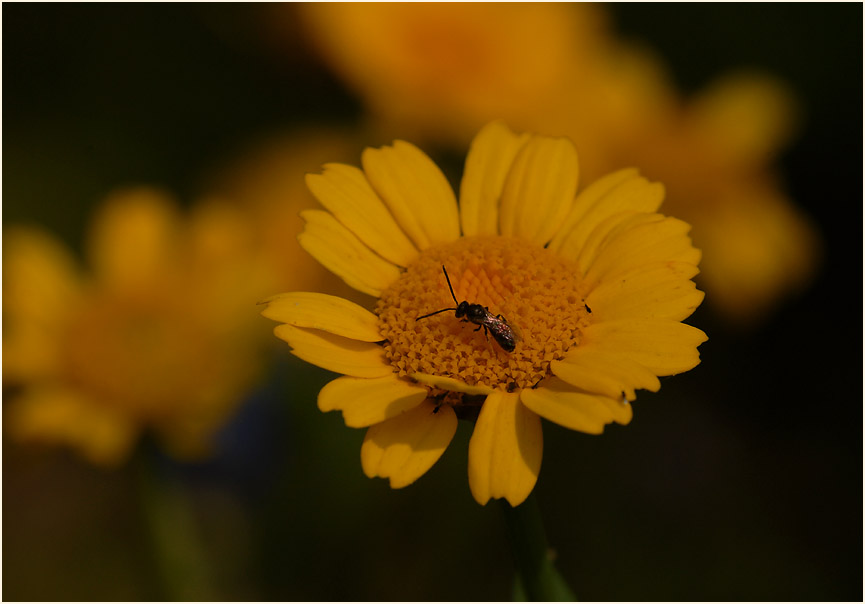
{"points": [[155, 337], [442, 69], [592, 286]]}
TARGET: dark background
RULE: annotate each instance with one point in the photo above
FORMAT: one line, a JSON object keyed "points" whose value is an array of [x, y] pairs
{"points": [[740, 480]]}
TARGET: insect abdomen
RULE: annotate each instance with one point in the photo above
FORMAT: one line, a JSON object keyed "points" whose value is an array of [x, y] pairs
{"points": [[503, 334]]}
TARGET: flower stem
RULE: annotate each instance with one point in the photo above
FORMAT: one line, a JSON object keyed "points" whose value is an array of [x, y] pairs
{"points": [[537, 577]]}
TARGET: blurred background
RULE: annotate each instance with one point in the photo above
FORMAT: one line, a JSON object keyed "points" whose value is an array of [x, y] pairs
{"points": [[160, 443]]}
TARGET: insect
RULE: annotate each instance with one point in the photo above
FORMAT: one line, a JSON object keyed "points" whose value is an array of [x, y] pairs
{"points": [[481, 316]]}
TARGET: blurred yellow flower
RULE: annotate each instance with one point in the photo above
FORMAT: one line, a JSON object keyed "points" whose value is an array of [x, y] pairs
{"points": [[579, 297], [156, 336], [266, 183], [717, 155], [440, 71]]}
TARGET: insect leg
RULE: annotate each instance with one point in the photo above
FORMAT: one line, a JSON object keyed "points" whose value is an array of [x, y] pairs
{"points": [[487, 336]]}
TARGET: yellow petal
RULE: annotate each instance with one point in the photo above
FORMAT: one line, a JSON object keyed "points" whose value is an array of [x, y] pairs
{"points": [[40, 276], [56, 416], [620, 227], [41, 292], [134, 238], [587, 199], [417, 193], [342, 253], [760, 245], [405, 447], [322, 311], [642, 241], [662, 290], [335, 353], [487, 165], [663, 347], [621, 409], [560, 403], [505, 450], [446, 383], [622, 191], [600, 236], [346, 193], [604, 372], [747, 116], [539, 190], [365, 402]]}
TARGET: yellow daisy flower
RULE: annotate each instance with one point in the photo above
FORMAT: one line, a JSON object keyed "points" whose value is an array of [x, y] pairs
{"points": [[592, 287], [93, 359]]}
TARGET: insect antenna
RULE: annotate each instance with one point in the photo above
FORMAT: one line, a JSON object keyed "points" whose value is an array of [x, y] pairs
{"points": [[450, 287], [434, 313]]}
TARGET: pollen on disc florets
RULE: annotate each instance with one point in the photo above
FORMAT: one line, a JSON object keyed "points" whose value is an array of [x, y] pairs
{"points": [[536, 291]]}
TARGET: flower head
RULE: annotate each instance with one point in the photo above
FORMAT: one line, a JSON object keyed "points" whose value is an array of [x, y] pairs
{"points": [[441, 69], [592, 287], [94, 359]]}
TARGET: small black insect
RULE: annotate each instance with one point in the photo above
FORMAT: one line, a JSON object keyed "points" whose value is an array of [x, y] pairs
{"points": [[482, 317]]}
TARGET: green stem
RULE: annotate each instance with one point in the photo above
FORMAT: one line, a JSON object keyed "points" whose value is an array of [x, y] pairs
{"points": [[537, 577], [181, 559]]}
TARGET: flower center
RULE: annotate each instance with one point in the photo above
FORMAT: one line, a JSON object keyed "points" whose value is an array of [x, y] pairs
{"points": [[527, 295]]}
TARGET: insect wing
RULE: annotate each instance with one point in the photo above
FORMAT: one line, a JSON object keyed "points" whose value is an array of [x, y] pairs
{"points": [[503, 333], [517, 333]]}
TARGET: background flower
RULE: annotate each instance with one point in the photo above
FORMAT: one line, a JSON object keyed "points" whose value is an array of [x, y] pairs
{"points": [[733, 477], [98, 357], [265, 178]]}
